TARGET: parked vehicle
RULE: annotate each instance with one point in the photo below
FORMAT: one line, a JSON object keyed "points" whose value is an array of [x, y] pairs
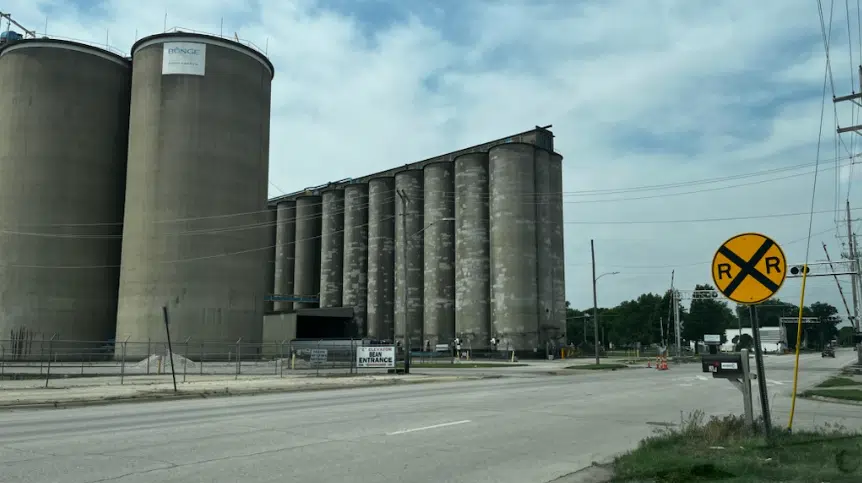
{"points": [[829, 351]]}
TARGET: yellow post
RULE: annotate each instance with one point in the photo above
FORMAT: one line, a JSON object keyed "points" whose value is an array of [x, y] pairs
{"points": [[798, 343]]}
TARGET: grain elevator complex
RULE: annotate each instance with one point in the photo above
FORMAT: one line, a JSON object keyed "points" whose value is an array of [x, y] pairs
{"points": [[133, 184]]}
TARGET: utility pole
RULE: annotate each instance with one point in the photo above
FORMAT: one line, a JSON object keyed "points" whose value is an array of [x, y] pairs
{"points": [[595, 303], [855, 276], [404, 201], [850, 315]]}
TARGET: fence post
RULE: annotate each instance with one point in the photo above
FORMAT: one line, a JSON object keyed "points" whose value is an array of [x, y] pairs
{"points": [[123, 361], [238, 358], [185, 357], [50, 356], [350, 354], [149, 354], [201, 357], [2, 360], [281, 357]]}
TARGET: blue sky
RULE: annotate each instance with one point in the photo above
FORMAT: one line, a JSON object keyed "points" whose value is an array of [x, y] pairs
{"points": [[639, 93]]}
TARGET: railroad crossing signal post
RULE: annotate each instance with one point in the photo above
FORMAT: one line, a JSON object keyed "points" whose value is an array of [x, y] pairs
{"points": [[749, 269]]}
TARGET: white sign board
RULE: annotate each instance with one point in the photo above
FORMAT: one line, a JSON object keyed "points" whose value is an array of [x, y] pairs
{"points": [[319, 355], [729, 365], [441, 348], [377, 357], [184, 58], [712, 338]]}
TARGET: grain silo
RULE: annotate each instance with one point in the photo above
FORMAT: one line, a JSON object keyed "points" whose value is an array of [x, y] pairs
{"points": [[355, 283], [381, 258], [409, 269], [332, 248], [64, 110], [558, 256], [541, 200], [513, 245], [285, 242], [306, 272], [439, 253], [195, 235]]}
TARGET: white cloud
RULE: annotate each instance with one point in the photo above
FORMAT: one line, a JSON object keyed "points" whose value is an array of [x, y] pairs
{"points": [[639, 93]]}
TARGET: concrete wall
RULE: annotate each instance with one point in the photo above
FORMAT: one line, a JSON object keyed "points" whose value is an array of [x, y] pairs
{"points": [[409, 269], [472, 255], [306, 275], [381, 258], [198, 150], [332, 249], [278, 328], [63, 138], [285, 239], [355, 284], [272, 228], [514, 288], [439, 253]]}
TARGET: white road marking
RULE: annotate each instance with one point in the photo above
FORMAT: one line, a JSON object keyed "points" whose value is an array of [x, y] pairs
{"points": [[777, 383], [442, 425], [702, 378]]}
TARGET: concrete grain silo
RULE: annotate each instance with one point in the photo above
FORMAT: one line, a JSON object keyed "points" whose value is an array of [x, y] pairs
{"points": [[198, 159], [513, 245], [408, 257], [306, 274], [355, 284], [558, 258], [285, 240], [271, 220], [472, 250], [439, 253], [64, 110], [381, 258], [544, 259], [332, 248]]}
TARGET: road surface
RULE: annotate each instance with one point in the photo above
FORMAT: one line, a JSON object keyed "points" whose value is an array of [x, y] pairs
{"points": [[520, 429]]}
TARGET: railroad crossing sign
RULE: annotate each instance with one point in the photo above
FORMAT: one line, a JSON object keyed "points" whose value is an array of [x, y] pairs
{"points": [[749, 268]]}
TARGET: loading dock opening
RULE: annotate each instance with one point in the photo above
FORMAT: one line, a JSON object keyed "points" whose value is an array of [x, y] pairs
{"points": [[328, 323]]}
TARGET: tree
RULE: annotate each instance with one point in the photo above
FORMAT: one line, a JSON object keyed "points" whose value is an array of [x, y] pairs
{"points": [[845, 335], [707, 316]]}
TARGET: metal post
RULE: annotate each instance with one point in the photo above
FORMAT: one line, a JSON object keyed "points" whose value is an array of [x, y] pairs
{"points": [[746, 389], [50, 356], [281, 358], [238, 359], [170, 348], [854, 277], [149, 353], [185, 357], [123, 361], [676, 321], [761, 371], [201, 359], [406, 334], [595, 304]]}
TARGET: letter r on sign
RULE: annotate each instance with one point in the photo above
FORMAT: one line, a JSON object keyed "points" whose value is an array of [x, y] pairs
{"points": [[724, 269]]}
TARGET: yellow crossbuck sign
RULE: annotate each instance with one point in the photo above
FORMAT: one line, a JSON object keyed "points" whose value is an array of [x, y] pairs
{"points": [[749, 268]]}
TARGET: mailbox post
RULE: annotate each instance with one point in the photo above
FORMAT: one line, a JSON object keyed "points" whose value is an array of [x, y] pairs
{"points": [[734, 368]]}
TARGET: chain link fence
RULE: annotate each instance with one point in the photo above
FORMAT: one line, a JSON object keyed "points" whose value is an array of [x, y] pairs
{"points": [[50, 358]]}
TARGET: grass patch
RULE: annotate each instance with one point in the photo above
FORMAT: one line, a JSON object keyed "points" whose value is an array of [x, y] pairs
{"points": [[839, 382], [599, 367], [727, 450], [845, 394]]}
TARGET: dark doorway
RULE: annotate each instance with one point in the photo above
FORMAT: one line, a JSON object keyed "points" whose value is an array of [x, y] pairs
{"points": [[329, 323]]}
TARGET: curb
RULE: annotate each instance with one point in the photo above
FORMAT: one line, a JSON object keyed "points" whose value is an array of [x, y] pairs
{"points": [[597, 472], [169, 395], [846, 402]]}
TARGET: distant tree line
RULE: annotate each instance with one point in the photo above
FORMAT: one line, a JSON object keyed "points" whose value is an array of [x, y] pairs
{"points": [[648, 319]]}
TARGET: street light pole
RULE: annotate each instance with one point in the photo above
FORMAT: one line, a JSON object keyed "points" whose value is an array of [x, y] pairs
{"points": [[595, 303]]}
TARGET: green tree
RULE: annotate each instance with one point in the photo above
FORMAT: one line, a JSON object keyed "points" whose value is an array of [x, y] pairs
{"points": [[845, 335], [707, 316]]}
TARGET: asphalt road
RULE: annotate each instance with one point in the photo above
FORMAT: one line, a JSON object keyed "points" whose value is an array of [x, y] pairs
{"points": [[521, 429]]}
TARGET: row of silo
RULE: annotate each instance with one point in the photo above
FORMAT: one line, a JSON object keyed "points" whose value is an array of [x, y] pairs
{"points": [[129, 184], [470, 248]]}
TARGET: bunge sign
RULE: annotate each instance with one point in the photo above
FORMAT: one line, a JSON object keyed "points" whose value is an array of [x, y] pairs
{"points": [[749, 268]]}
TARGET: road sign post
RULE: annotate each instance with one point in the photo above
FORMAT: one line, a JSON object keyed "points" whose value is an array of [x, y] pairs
{"points": [[749, 269]]}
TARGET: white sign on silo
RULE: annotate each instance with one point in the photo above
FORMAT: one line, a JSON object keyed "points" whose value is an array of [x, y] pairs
{"points": [[184, 58]]}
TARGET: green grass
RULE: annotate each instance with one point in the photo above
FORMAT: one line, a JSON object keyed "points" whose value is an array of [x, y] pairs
{"points": [[460, 365], [839, 382], [845, 394], [726, 450], [599, 367]]}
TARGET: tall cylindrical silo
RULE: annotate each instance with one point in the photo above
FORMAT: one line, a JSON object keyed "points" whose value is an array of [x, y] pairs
{"points": [[558, 257], [64, 111], [306, 274], [355, 284], [513, 245], [439, 253], [198, 155], [544, 262], [472, 250], [332, 248], [409, 270], [381, 258], [271, 220], [285, 241]]}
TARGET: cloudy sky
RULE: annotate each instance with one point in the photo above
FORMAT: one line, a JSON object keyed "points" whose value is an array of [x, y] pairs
{"points": [[682, 122]]}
